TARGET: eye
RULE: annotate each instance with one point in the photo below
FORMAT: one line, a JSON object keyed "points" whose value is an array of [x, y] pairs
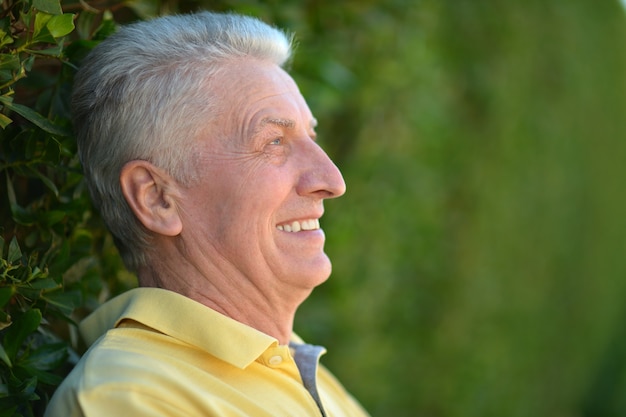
{"points": [[276, 141]]}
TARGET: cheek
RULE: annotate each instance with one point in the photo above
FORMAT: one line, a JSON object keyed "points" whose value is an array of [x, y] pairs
{"points": [[239, 195], [268, 185]]}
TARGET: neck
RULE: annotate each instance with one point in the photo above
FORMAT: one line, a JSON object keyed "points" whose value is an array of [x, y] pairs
{"points": [[228, 292]]}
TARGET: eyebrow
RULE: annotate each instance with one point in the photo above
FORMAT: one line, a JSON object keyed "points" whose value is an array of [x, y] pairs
{"points": [[288, 123]]}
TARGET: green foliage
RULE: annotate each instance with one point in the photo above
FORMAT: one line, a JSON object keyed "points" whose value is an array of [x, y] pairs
{"points": [[35, 151], [48, 271], [478, 264], [478, 254]]}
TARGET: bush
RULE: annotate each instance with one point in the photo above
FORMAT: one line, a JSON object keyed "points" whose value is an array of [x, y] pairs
{"points": [[49, 275]]}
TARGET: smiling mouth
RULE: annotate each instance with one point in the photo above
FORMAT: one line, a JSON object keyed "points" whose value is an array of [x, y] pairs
{"points": [[297, 226]]}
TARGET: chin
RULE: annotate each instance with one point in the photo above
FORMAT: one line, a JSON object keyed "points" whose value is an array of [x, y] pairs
{"points": [[310, 274], [317, 276]]}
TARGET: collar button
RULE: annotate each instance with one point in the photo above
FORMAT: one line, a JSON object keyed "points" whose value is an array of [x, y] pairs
{"points": [[275, 360]]}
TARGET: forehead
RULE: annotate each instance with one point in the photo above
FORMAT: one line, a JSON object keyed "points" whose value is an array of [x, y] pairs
{"points": [[252, 92], [243, 80]]}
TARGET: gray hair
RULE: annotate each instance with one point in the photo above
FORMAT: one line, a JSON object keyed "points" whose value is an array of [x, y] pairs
{"points": [[141, 94]]}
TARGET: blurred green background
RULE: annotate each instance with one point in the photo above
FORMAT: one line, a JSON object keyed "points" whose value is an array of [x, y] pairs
{"points": [[480, 251]]}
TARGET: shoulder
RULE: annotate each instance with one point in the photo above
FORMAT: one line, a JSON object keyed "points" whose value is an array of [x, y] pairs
{"points": [[134, 353], [123, 375]]}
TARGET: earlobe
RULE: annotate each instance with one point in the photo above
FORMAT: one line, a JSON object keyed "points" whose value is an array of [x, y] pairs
{"points": [[150, 194]]}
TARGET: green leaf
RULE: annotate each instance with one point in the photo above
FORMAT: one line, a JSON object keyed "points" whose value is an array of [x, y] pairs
{"points": [[35, 273], [28, 63], [6, 76], [23, 325], [45, 284], [40, 31], [46, 358], [27, 16], [43, 376], [10, 190], [52, 217], [4, 357], [48, 28], [5, 319], [4, 121], [34, 117], [5, 295], [14, 251], [22, 216], [28, 292], [9, 62], [64, 301], [5, 39], [107, 27], [48, 6], [61, 25], [54, 51], [27, 390], [47, 181]]}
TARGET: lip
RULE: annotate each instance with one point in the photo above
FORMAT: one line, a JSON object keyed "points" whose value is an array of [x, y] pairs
{"points": [[301, 215]]}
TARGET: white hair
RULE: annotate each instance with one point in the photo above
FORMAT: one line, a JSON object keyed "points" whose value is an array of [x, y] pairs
{"points": [[141, 94]]}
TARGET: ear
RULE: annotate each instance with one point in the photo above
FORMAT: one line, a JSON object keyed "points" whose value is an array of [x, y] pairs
{"points": [[150, 193]]}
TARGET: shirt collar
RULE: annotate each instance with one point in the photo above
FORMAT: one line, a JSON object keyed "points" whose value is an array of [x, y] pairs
{"points": [[182, 318]]}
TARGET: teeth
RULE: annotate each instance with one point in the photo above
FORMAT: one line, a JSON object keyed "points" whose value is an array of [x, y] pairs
{"points": [[296, 226]]}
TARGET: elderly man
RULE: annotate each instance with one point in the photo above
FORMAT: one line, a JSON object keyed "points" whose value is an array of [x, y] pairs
{"points": [[200, 153]]}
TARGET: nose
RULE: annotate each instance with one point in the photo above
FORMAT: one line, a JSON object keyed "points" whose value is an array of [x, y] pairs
{"points": [[320, 177]]}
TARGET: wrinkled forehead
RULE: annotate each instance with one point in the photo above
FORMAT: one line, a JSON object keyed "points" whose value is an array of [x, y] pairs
{"points": [[252, 93], [247, 78]]}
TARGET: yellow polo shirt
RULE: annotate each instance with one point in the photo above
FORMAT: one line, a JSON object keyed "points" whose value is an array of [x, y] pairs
{"points": [[157, 353]]}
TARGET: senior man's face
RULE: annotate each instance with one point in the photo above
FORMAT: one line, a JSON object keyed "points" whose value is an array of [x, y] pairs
{"points": [[263, 179]]}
